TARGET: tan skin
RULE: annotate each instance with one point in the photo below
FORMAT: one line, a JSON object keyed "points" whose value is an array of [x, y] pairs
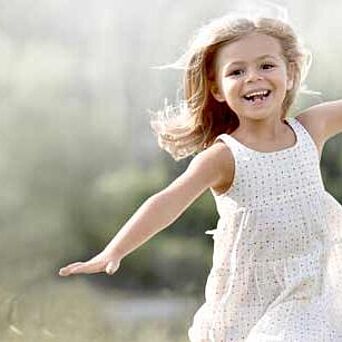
{"points": [[213, 168]]}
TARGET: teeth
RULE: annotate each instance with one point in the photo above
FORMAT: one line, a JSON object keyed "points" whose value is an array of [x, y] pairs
{"points": [[261, 93]]}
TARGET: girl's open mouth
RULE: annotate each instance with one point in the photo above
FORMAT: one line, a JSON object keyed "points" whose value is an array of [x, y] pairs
{"points": [[257, 98]]}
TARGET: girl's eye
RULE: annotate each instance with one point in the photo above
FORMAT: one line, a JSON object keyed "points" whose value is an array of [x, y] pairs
{"points": [[237, 72], [267, 66]]}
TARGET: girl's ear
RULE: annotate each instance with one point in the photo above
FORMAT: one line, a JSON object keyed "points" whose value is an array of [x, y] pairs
{"points": [[215, 91], [290, 76]]}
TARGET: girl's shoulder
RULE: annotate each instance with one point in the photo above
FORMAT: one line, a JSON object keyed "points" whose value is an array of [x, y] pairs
{"points": [[222, 158]]}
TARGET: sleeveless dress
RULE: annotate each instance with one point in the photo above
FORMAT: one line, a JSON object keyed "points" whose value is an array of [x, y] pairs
{"points": [[276, 274]]}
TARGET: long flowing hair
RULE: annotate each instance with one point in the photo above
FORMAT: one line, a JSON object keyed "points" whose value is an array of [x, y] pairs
{"points": [[193, 123]]}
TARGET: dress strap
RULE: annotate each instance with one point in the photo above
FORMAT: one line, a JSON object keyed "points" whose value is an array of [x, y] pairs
{"points": [[229, 141], [236, 146], [303, 133]]}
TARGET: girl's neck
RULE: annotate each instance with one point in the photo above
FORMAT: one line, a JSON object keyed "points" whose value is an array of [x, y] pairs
{"points": [[255, 132]]}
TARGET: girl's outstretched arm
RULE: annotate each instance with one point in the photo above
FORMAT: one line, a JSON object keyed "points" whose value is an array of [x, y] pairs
{"points": [[207, 169], [326, 119]]}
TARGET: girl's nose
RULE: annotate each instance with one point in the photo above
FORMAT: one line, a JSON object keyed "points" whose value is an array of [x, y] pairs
{"points": [[253, 75]]}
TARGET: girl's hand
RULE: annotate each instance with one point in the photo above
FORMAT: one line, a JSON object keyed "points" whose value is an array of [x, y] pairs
{"points": [[102, 262]]}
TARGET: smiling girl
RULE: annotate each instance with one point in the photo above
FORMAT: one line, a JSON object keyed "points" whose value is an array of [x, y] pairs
{"points": [[277, 262]]}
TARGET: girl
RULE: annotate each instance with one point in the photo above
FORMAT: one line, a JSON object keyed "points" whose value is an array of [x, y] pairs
{"points": [[277, 263]]}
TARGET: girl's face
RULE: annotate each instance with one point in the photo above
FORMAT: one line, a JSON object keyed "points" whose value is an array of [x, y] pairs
{"points": [[252, 64]]}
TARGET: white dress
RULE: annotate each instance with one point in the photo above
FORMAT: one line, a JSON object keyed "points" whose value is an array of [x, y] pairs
{"points": [[277, 260]]}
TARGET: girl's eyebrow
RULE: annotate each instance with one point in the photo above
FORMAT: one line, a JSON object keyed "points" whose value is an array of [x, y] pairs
{"points": [[242, 62]]}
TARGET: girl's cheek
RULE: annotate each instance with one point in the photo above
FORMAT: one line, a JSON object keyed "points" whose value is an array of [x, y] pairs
{"points": [[233, 87], [229, 83]]}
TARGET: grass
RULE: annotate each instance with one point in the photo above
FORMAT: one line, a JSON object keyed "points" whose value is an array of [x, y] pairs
{"points": [[71, 311]]}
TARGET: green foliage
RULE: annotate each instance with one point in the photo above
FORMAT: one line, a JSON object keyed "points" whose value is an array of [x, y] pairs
{"points": [[170, 262], [331, 166], [112, 198]]}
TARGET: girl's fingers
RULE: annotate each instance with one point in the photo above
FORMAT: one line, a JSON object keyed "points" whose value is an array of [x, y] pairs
{"points": [[93, 265], [88, 267], [64, 271], [73, 264]]}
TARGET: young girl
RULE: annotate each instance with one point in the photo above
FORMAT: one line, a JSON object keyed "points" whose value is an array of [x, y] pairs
{"points": [[277, 263]]}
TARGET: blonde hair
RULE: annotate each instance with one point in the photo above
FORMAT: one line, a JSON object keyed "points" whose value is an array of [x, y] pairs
{"points": [[193, 124]]}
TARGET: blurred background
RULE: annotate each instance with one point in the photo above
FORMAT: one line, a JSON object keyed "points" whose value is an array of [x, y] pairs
{"points": [[78, 157]]}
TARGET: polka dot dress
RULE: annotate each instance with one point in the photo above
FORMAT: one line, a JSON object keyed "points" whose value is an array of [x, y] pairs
{"points": [[277, 259]]}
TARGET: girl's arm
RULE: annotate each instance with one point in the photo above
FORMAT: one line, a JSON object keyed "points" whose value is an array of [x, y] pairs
{"points": [[325, 118], [207, 169]]}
